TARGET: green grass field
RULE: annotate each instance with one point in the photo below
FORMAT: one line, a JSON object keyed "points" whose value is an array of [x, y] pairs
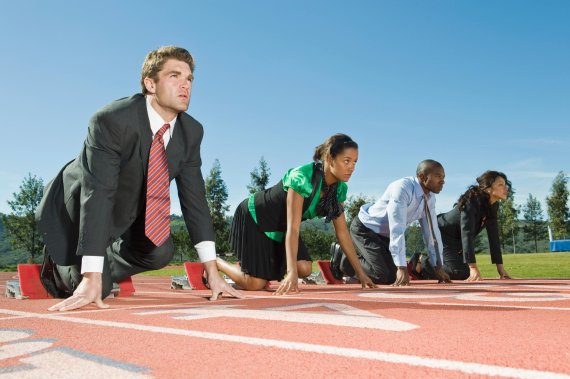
{"points": [[520, 266], [540, 265]]}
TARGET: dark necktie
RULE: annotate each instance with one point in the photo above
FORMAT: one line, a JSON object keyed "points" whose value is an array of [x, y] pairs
{"points": [[157, 217]]}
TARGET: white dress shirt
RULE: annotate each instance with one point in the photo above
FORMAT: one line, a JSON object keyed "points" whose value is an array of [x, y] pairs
{"points": [[206, 249], [401, 204]]}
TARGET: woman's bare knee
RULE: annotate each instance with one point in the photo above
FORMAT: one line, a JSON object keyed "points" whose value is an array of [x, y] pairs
{"points": [[304, 268], [251, 283]]}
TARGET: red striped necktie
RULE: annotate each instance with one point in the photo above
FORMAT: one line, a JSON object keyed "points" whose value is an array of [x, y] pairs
{"points": [[157, 217]]}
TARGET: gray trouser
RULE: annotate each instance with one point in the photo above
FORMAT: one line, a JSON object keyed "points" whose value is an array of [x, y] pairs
{"points": [[373, 253]]}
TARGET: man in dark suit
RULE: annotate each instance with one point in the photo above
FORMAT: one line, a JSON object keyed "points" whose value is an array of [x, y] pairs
{"points": [[92, 216]]}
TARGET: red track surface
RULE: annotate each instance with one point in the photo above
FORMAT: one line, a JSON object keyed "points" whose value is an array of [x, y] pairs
{"points": [[518, 328]]}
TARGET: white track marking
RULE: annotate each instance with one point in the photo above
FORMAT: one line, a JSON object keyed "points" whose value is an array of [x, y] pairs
{"points": [[344, 315], [16, 349], [410, 360], [8, 335]]}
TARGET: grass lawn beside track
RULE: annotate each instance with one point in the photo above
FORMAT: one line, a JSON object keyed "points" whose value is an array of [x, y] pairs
{"points": [[521, 266]]}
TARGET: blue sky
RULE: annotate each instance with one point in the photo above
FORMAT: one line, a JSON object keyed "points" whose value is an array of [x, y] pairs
{"points": [[476, 85]]}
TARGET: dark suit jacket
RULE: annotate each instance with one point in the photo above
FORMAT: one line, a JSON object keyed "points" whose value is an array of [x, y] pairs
{"points": [[466, 223], [98, 196]]}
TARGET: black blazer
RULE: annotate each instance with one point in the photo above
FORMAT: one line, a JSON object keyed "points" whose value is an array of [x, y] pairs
{"points": [[466, 223], [96, 197]]}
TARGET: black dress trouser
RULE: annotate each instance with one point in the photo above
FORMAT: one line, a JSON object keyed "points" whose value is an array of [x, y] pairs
{"points": [[373, 253], [129, 255]]}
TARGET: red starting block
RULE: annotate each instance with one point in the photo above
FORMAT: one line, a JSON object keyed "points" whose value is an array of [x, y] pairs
{"points": [[410, 272], [126, 287], [195, 273], [325, 268], [32, 288], [30, 285]]}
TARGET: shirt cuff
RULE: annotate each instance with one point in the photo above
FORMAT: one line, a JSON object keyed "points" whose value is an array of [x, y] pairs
{"points": [[400, 261], [92, 263], [206, 251]]}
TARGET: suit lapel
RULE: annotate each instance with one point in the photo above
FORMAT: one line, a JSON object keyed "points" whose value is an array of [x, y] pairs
{"points": [[174, 148], [144, 131]]}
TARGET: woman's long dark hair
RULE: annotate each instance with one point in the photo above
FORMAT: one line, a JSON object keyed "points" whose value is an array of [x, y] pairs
{"points": [[333, 146], [484, 181], [328, 205]]}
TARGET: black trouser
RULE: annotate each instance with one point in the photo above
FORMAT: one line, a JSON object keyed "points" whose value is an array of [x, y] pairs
{"points": [[453, 258], [373, 253], [131, 254]]}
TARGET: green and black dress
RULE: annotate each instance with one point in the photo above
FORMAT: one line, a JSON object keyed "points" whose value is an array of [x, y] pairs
{"points": [[260, 221]]}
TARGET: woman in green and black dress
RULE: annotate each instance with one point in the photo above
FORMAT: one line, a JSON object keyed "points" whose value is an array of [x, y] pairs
{"points": [[265, 229]]}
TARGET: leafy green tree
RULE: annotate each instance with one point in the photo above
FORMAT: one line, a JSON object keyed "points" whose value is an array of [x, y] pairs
{"points": [[557, 203], [352, 206], [508, 221], [414, 239], [318, 242], [217, 195], [534, 227], [183, 246], [21, 224], [259, 177]]}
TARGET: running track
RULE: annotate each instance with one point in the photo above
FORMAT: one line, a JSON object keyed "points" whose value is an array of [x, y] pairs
{"points": [[517, 328]]}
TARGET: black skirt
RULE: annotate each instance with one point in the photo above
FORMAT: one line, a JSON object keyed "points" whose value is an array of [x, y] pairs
{"points": [[259, 255]]}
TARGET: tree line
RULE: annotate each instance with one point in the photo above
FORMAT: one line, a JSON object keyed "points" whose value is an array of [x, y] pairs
{"points": [[517, 234]]}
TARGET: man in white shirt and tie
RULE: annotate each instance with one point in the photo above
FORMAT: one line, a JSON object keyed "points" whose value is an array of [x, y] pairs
{"points": [[105, 216], [378, 231]]}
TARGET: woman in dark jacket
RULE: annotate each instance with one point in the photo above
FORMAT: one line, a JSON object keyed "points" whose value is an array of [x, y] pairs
{"points": [[475, 210]]}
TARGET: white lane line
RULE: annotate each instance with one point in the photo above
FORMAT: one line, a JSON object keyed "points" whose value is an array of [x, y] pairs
{"points": [[362, 298], [412, 360]]}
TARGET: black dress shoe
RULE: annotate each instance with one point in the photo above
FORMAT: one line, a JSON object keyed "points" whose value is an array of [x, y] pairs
{"points": [[49, 276], [336, 255]]}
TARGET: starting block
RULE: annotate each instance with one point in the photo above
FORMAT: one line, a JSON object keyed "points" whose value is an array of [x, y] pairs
{"points": [[126, 287], [180, 283], [195, 273], [325, 268], [30, 285], [13, 289]]}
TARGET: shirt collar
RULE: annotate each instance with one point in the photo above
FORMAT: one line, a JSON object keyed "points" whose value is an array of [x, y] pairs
{"points": [[419, 190], [155, 119]]}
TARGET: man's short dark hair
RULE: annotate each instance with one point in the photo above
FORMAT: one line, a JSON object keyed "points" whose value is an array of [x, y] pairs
{"points": [[427, 166]]}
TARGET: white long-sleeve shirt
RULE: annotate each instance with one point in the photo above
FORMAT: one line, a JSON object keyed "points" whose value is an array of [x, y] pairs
{"points": [[401, 204]]}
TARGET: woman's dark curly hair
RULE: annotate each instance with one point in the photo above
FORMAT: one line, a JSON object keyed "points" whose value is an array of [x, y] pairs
{"points": [[484, 181]]}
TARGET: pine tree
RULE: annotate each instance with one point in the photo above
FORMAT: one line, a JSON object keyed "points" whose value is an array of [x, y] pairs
{"points": [[534, 227], [557, 203], [21, 225], [259, 177], [217, 195]]}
